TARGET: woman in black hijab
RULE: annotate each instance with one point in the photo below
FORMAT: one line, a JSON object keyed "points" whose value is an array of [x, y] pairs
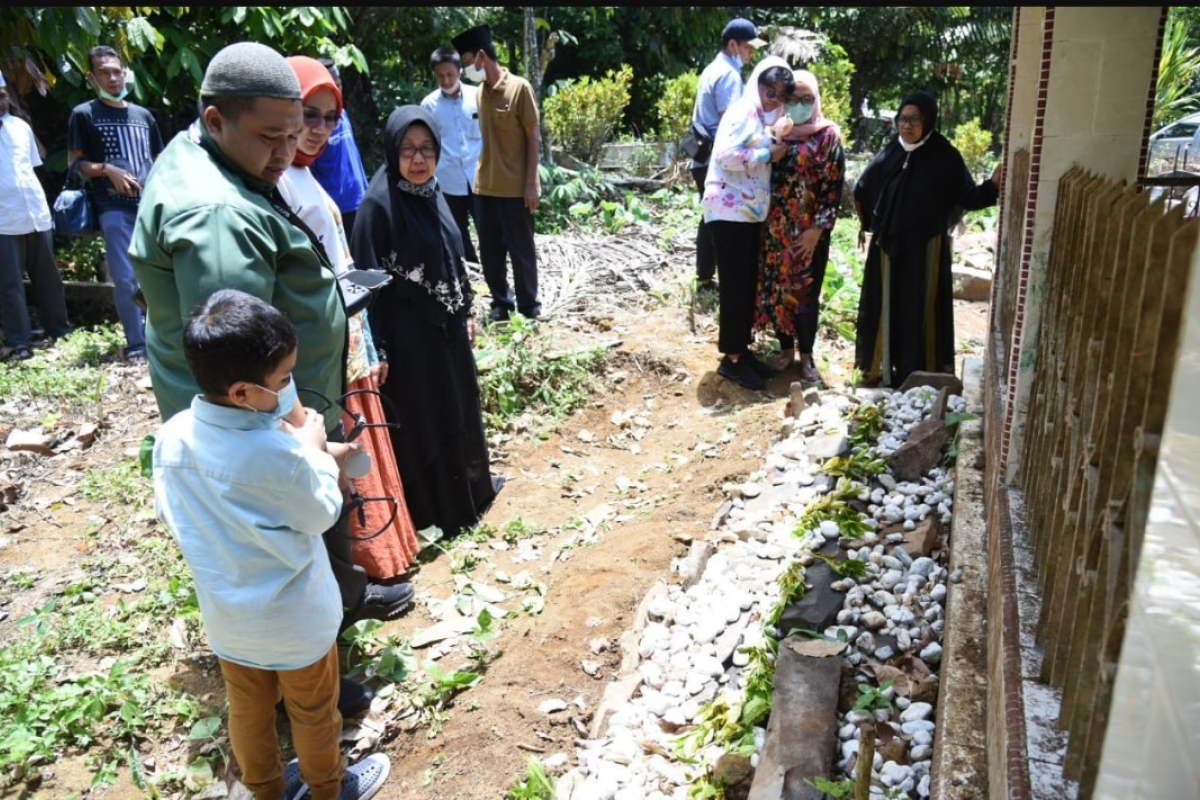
{"points": [[422, 320], [910, 197]]}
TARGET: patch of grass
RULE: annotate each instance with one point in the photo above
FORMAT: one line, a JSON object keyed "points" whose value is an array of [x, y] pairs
{"points": [[119, 484], [843, 282], [39, 380], [520, 373], [536, 785], [90, 346], [48, 709]]}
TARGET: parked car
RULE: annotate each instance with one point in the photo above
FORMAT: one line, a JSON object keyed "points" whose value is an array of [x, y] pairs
{"points": [[1178, 142]]}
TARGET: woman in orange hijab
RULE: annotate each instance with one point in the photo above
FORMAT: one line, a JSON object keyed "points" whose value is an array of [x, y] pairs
{"points": [[383, 536]]}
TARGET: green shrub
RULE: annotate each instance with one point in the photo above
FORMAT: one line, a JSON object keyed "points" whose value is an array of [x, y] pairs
{"points": [[833, 73], [674, 107], [975, 145], [80, 259], [582, 115]]}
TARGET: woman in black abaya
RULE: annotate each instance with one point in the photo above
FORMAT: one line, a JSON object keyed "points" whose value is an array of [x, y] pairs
{"points": [[423, 322], [909, 198]]}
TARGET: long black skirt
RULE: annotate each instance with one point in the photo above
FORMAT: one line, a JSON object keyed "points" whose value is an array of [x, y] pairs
{"points": [[433, 387], [906, 312]]}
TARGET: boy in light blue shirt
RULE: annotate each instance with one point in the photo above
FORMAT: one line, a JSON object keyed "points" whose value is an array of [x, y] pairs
{"points": [[245, 483]]}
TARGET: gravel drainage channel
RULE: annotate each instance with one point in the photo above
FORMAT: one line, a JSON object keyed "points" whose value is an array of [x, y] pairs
{"points": [[839, 544]]}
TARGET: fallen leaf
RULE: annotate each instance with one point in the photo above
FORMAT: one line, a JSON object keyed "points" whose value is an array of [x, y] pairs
{"points": [[655, 748]]}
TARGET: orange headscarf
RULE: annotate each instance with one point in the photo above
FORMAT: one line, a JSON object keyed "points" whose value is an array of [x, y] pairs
{"points": [[313, 77]]}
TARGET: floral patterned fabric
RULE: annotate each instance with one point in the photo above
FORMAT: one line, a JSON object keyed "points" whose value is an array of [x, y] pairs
{"points": [[738, 187], [806, 189]]}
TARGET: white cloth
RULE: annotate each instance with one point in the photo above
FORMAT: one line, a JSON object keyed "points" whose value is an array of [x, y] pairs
{"points": [[23, 207], [316, 208], [458, 123]]}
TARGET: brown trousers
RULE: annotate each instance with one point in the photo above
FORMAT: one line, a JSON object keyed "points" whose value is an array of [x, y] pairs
{"points": [[310, 695]]}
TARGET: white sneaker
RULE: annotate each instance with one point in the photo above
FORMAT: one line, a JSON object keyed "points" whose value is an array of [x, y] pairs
{"points": [[364, 780]]}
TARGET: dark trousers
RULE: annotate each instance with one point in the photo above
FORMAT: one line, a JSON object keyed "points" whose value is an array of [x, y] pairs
{"points": [[737, 245], [706, 253], [506, 229], [808, 318], [31, 253], [462, 206], [351, 578]]}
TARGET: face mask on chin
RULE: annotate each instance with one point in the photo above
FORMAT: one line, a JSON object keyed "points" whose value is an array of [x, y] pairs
{"points": [[453, 90], [474, 73], [116, 98]]}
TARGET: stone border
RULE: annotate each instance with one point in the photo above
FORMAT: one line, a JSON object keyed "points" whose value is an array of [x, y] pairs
{"points": [[960, 756]]}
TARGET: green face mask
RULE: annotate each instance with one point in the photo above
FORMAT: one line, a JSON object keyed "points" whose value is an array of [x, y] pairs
{"points": [[800, 112]]}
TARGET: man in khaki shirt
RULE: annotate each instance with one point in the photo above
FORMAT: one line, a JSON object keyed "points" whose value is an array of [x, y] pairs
{"points": [[506, 180]]}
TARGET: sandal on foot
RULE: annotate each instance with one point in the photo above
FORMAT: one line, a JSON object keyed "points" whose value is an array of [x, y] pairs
{"points": [[781, 362]]}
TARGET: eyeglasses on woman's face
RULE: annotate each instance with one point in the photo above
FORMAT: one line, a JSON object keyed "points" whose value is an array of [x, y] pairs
{"points": [[909, 122], [315, 119], [427, 152]]}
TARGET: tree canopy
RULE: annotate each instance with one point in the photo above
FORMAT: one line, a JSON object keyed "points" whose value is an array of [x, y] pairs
{"points": [[958, 52]]}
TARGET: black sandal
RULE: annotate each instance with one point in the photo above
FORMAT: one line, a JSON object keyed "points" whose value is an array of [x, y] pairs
{"points": [[20, 353]]}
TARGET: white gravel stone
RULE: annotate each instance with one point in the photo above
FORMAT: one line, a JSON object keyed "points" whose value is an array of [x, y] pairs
{"points": [[921, 752], [916, 711], [931, 652]]}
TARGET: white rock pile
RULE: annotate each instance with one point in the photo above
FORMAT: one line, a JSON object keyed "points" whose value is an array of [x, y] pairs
{"points": [[691, 649]]}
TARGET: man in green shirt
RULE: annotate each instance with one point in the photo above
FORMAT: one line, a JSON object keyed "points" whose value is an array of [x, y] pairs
{"points": [[212, 218]]}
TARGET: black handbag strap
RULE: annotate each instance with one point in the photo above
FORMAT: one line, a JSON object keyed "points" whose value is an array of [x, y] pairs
{"points": [[75, 175]]}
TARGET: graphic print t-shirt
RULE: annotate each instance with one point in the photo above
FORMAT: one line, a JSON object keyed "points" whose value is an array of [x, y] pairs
{"points": [[124, 137]]}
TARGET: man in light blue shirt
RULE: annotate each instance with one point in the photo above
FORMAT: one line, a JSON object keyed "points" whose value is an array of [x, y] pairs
{"points": [[455, 107], [720, 85]]}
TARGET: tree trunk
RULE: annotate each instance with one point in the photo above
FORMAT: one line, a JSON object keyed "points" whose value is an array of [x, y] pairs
{"points": [[533, 72]]}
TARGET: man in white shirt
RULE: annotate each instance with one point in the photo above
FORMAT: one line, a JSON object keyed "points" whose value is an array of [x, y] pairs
{"points": [[26, 243], [455, 107]]}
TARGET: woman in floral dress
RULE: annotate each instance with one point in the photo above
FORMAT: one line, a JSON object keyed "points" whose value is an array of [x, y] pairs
{"points": [[806, 188]]}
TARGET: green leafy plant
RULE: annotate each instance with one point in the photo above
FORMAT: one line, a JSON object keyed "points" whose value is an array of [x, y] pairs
{"points": [[387, 658], [674, 107], [974, 143], [536, 785], [834, 507], [120, 484], [791, 589], [582, 115], [859, 466], [838, 790], [833, 71], [92, 345], [80, 259], [871, 697], [1175, 94], [844, 567], [866, 425], [519, 373]]}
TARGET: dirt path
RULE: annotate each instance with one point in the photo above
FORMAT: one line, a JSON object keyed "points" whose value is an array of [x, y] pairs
{"points": [[644, 467]]}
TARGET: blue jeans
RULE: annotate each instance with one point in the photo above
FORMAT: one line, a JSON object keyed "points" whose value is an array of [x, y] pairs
{"points": [[31, 253], [116, 225]]}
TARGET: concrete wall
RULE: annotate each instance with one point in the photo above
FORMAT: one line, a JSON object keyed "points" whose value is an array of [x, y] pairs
{"points": [[1080, 94]]}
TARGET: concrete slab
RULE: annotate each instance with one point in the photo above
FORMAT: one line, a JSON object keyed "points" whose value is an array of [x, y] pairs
{"points": [[802, 732]]}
